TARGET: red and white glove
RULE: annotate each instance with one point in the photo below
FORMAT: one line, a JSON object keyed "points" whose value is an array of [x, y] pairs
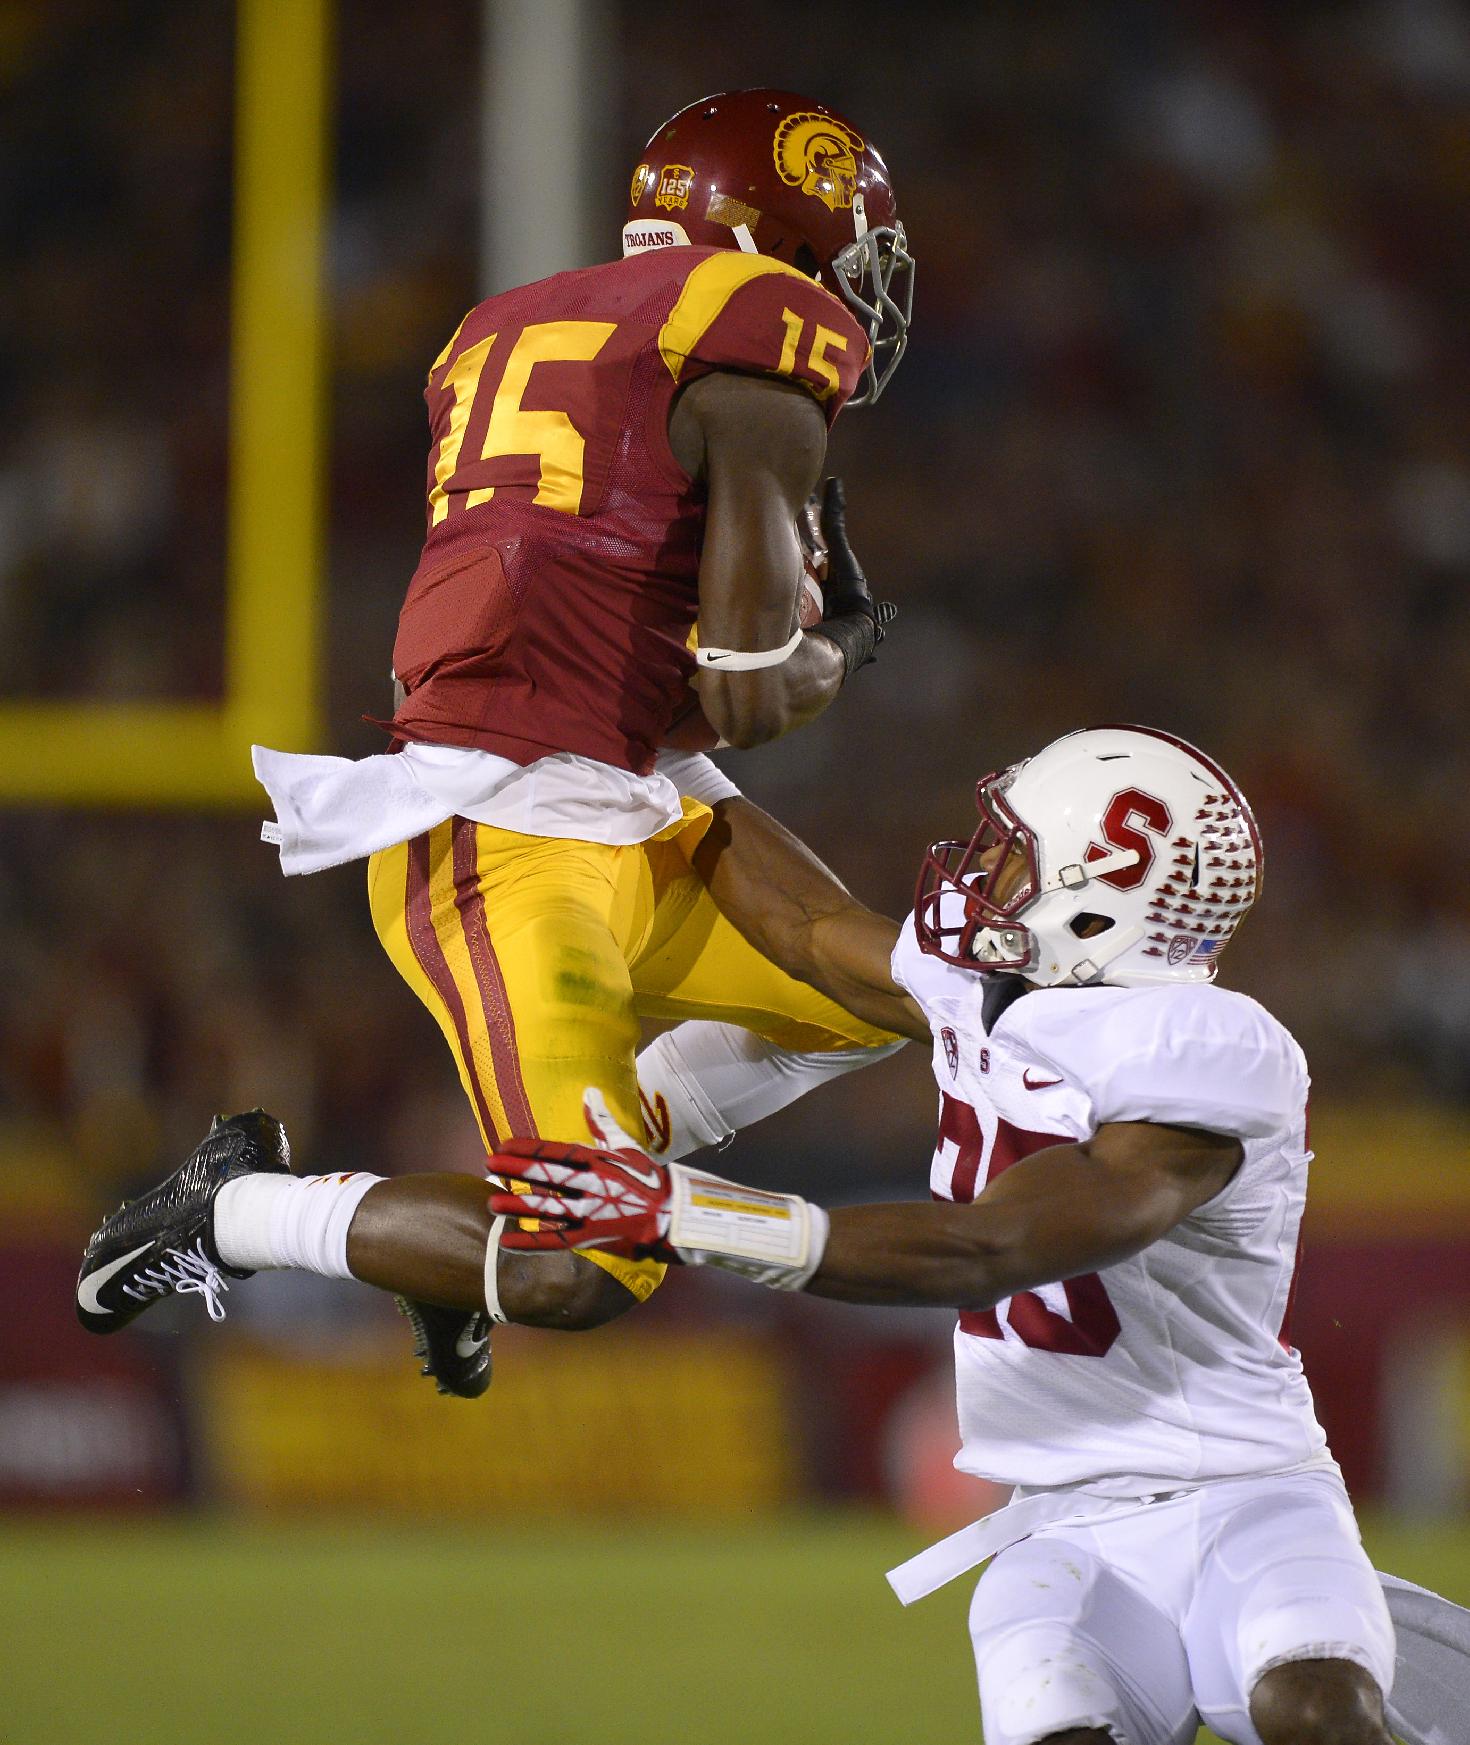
{"points": [[613, 1196], [606, 1195]]}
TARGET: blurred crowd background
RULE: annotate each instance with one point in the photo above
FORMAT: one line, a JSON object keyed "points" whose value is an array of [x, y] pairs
{"points": [[1182, 437]]}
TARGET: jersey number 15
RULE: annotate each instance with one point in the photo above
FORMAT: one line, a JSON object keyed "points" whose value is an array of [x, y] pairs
{"points": [[547, 435]]}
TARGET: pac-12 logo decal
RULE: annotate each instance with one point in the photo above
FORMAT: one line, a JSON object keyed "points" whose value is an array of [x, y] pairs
{"points": [[820, 156], [1125, 818], [951, 1049], [1179, 949], [642, 178], [674, 185]]}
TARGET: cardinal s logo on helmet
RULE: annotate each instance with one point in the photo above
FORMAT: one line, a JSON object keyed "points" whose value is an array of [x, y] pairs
{"points": [[820, 156], [1034, 892], [1125, 818]]}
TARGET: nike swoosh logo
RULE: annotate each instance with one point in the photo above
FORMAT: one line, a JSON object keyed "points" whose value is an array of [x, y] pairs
{"points": [[713, 656], [464, 1346], [1037, 1084], [88, 1287]]}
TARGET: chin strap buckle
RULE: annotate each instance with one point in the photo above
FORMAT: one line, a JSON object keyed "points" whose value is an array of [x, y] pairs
{"points": [[1082, 872]]}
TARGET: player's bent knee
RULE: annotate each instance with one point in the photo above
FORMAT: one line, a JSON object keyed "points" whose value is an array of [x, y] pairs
{"points": [[559, 1291], [1319, 1702], [1049, 1693]]}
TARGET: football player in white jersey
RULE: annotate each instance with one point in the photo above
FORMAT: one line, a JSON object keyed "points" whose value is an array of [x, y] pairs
{"points": [[1118, 1184]]}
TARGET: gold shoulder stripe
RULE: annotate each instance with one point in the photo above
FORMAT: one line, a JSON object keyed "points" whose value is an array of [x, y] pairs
{"points": [[706, 292]]}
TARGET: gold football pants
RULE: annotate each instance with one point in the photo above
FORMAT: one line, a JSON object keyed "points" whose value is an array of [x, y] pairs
{"points": [[538, 956]]}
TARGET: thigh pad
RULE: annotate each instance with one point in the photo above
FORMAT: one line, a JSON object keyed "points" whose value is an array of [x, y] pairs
{"points": [[1062, 1641]]}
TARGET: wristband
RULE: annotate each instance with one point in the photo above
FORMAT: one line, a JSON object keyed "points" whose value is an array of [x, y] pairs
{"points": [[856, 635], [773, 1239]]}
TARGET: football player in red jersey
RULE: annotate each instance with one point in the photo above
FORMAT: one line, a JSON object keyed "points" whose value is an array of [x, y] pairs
{"points": [[619, 459]]}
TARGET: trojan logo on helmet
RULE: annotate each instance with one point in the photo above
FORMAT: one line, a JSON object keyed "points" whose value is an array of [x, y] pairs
{"points": [[775, 173], [819, 156]]}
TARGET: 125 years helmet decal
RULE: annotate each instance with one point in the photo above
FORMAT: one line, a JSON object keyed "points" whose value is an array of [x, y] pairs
{"points": [[817, 154], [673, 186]]}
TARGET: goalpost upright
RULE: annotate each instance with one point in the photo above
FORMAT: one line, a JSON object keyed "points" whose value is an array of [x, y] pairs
{"points": [[190, 754]]}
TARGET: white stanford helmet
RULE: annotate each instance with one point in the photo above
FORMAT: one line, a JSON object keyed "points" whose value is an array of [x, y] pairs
{"points": [[1123, 825]]}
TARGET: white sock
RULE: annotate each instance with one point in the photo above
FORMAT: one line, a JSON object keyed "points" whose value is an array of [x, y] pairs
{"points": [[715, 1078], [265, 1222]]}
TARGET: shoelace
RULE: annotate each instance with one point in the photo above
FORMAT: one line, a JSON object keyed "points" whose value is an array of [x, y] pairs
{"points": [[180, 1271]]}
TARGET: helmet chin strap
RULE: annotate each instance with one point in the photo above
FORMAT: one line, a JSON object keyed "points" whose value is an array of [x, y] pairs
{"points": [[1083, 872], [1090, 968], [1073, 878]]}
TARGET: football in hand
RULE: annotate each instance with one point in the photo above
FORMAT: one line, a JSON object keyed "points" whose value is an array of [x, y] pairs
{"points": [[809, 606], [813, 562]]}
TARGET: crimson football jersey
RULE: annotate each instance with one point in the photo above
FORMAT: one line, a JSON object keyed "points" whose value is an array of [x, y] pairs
{"points": [[552, 606]]}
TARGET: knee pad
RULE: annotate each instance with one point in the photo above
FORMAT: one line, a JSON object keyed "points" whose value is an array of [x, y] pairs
{"points": [[1034, 1683], [1062, 1643], [1316, 1627]]}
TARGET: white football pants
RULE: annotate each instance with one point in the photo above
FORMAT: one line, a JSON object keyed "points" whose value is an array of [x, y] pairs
{"points": [[1168, 1614]]}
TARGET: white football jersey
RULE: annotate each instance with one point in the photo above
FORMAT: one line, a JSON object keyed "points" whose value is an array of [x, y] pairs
{"points": [[1174, 1366]]}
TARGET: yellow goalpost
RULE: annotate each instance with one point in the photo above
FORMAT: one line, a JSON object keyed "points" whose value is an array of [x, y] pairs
{"points": [[192, 754]]}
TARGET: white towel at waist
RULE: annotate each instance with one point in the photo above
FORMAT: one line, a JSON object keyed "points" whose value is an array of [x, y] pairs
{"points": [[330, 810]]}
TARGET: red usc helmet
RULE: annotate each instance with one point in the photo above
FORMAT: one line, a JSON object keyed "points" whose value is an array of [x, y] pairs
{"points": [[773, 173]]}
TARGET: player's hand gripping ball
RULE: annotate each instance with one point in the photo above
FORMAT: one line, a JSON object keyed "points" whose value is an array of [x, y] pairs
{"points": [[609, 1195], [845, 588]]}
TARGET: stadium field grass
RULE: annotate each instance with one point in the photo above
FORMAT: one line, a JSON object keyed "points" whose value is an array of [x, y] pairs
{"points": [[223, 1633]]}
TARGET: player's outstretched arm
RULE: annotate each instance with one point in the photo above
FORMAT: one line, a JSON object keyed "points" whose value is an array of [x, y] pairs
{"points": [[800, 915], [758, 446], [1068, 1210]]}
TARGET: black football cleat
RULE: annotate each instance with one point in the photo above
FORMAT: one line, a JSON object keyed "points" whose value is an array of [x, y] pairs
{"points": [[162, 1244], [453, 1345]]}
